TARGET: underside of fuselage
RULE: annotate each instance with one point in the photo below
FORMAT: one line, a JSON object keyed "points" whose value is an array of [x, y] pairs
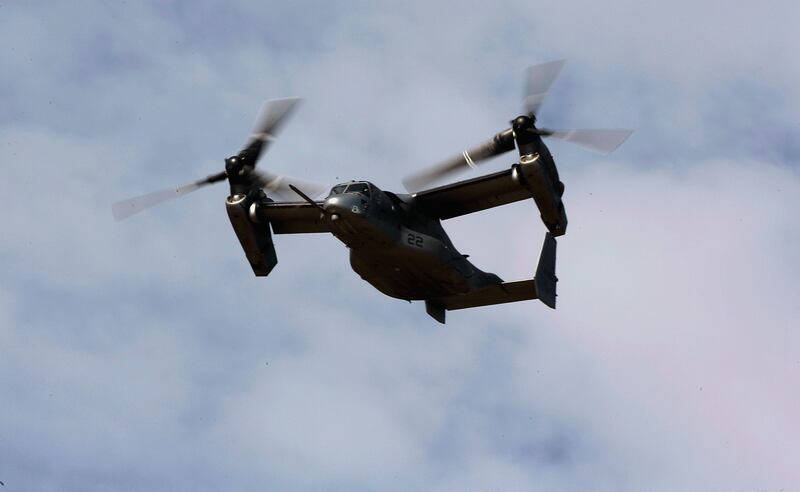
{"points": [[417, 275]]}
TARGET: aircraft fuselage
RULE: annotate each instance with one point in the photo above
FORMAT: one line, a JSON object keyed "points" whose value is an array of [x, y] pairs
{"points": [[397, 249]]}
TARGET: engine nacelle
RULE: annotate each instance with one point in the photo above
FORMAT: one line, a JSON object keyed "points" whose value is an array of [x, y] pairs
{"points": [[531, 174], [255, 237]]}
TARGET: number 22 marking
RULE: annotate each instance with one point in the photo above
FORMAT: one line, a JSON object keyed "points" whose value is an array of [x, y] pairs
{"points": [[414, 240]]}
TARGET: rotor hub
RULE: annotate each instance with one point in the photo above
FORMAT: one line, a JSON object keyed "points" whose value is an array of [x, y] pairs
{"points": [[524, 121]]}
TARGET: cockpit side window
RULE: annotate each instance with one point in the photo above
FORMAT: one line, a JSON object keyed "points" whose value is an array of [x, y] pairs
{"points": [[362, 188], [338, 189]]}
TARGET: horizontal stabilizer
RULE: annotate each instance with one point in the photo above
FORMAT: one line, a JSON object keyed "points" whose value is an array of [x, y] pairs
{"points": [[494, 294], [542, 287]]}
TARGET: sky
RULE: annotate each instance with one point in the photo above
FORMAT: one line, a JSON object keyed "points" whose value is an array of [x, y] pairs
{"points": [[144, 355]]}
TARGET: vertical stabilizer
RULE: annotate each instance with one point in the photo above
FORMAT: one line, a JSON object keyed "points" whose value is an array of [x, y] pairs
{"points": [[545, 279], [435, 309]]}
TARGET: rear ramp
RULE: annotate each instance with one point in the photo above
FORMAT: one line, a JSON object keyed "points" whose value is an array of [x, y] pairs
{"points": [[542, 287]]}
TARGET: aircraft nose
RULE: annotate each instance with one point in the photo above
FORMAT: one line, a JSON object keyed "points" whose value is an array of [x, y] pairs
{"points": [[345, 206]]}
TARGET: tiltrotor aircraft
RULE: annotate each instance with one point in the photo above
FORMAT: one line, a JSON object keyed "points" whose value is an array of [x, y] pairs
{"points": [[396, 240]]}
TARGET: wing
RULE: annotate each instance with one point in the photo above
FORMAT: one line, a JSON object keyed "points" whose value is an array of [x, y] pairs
{"points": [[473, 195], [293, 217]]}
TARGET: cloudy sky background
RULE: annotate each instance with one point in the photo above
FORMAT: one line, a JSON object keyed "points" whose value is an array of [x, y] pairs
{"points": [[145, 356]]}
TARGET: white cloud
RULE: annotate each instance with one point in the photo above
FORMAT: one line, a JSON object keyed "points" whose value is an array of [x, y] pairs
{"points": [[668, 365]]}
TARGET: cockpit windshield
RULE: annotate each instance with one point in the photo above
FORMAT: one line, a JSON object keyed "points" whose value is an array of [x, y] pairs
{"points": [[362, 188]]}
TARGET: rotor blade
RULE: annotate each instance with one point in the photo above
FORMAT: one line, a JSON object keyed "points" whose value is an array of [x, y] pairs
{"points": [[538, 80], [604, 141], [273, 115], [281, 186], [126, 208], [499, 144]]}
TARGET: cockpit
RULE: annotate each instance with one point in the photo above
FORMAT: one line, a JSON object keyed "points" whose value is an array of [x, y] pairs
{"points": [[361, 187]]}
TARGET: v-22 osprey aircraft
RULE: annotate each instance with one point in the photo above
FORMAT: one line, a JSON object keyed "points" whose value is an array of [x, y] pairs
{"points": [[396, 240]]}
